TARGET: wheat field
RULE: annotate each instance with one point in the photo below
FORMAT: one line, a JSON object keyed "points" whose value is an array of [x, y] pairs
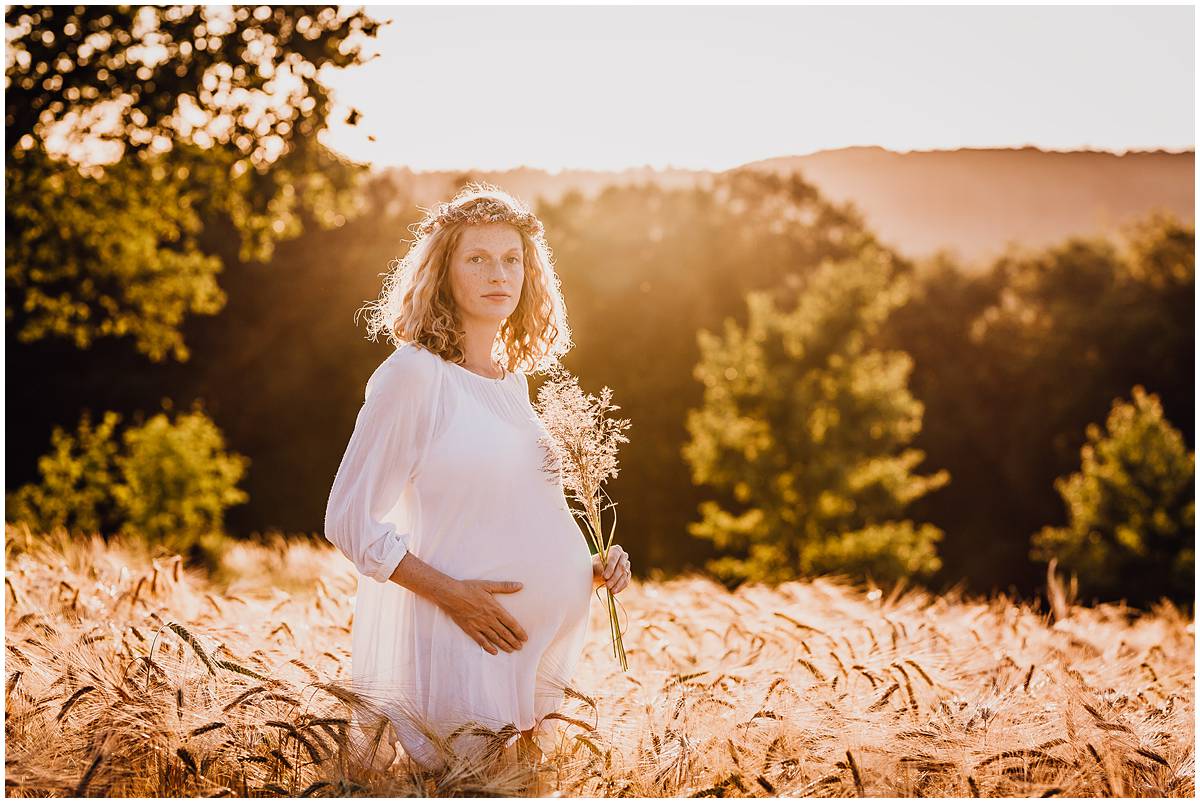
{"points": [[127, 675]]}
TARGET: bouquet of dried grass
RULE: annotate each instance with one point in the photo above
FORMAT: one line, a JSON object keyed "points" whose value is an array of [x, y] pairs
{"points": [[582, 451]]}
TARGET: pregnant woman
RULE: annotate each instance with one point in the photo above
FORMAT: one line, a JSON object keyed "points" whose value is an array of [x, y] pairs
{"points": [[474, 579]]}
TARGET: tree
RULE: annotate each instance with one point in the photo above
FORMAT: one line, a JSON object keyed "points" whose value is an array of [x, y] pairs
{"points": [[176, 478], [77, 479], [1131, 509], [1012, 364], [129, 129], [805, 424], [169, 482], [646, 265]]}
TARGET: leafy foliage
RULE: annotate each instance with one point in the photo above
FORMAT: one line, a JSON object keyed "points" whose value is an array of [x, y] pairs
{"points": [[644, 267], [177, 479], [167, 481], [806, 426], [1131, 507], [127, 127], [1014, 362], [77, 479], [116, 260]]}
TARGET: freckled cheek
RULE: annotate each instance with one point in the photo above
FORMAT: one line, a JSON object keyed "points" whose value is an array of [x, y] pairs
{"points": [[469, 280]]}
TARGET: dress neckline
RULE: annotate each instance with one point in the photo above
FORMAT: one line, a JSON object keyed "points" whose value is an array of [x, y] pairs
{"points": [[481, 377]]}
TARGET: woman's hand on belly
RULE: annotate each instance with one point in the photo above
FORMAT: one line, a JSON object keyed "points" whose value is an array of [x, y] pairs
{"points": [[615, 572], [474, 609]]}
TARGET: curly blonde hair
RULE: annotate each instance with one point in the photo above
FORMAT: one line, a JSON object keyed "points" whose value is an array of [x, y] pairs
{"points": [[416, 305]]}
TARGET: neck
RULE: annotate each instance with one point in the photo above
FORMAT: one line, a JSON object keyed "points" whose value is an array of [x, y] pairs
{"points": [[478, 337]]}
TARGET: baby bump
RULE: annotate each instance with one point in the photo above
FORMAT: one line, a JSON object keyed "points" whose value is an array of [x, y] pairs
{"points": [[555, 572], [555, 586]]}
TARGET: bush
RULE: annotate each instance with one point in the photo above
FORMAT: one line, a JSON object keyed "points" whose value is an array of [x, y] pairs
{"points": [[77, 480], [806, 428], [168, 482], [1131, 508]]}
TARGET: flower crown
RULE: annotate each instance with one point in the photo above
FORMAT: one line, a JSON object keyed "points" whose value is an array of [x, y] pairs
{"points": [[481, 209]]}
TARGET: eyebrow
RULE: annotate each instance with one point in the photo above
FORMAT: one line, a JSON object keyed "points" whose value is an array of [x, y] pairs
{"points": [[509, 251]]}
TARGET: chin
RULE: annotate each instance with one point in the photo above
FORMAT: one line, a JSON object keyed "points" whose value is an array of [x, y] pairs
{"points": [[490, 317], [493, 314], [500, 314]]}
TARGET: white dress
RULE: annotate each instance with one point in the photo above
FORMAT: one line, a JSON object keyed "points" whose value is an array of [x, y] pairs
{"points": [[445, 463]]}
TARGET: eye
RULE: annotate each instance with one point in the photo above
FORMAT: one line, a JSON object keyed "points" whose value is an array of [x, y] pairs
{"points": [[515, 259]]}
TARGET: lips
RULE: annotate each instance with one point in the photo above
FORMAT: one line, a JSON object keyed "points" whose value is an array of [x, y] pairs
{"points": [[496, 296]]}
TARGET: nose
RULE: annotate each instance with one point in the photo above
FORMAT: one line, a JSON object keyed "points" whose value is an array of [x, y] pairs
{"points": [[498, 273]]}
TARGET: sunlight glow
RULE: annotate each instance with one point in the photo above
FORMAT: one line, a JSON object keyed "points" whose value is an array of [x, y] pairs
{"points": [[711, 87]]}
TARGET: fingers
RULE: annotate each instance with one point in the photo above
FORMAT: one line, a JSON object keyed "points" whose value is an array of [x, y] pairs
{"points": [[619, 578], [615, 554], [502, 631], [504, 586], [624, 580], [505, 640], [512, 625], [510, 631], [492, 641]]}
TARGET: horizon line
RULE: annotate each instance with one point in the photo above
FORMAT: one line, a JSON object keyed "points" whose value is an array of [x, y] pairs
{"points": [[684, 169]]}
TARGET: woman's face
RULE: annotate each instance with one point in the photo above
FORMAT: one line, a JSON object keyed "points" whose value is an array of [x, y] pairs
{"points": [[487, 271]]}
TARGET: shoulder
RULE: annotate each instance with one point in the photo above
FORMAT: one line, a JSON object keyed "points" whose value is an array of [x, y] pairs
{"points": [[409, 371], [522, 384]]}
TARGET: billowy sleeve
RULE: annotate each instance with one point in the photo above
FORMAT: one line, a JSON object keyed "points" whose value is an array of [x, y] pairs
{"points": [[391, 433]]}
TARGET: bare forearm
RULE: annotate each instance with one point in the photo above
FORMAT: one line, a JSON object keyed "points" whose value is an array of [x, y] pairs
{"points": [[422, 579]]}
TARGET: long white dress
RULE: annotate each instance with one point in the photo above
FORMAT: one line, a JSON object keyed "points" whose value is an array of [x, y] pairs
{"points": [[446, 463]]}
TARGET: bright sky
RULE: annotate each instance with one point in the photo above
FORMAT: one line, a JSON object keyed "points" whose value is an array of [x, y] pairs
{"points": [[711, 87]]}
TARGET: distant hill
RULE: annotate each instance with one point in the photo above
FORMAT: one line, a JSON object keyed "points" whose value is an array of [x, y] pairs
{"points": [[970, 201], [974, 200]]}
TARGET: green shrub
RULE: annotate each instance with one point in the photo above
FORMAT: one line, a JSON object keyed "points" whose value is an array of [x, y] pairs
{"points": [[78, 475], [168, 482], [1131, 509], [806, 428]]}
